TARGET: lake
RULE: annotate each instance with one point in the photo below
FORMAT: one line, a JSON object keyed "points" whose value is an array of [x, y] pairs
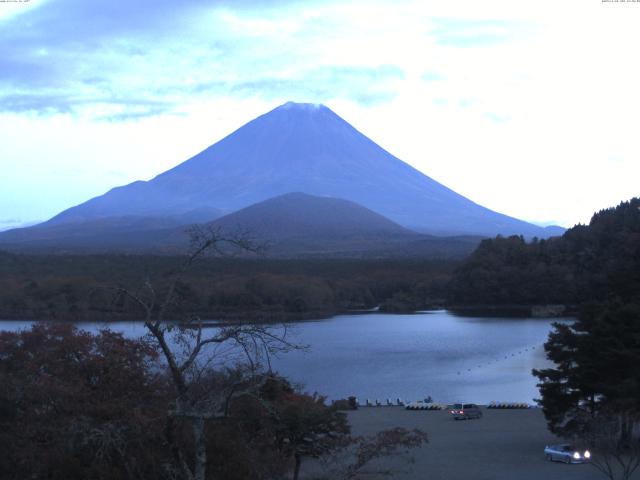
{"points": [[379, 356]]}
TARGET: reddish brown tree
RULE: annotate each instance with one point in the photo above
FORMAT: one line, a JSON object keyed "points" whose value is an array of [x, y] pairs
{"points": [[76, 405]]}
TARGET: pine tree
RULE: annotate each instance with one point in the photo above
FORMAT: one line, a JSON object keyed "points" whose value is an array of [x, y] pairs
{"points": [[597, 368]]}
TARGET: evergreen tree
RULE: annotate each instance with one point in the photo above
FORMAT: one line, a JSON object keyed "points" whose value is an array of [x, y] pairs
{"points": [[597, 369]]}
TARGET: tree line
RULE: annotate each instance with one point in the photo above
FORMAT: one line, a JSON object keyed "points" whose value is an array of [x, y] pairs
{"points": [[595, 262], [79, 287]]}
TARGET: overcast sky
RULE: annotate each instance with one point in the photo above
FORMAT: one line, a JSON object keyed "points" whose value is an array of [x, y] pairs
{"points": [[529, 108]]}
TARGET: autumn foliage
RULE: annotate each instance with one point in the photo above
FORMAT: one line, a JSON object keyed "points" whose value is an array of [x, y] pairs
{"points": [[76, 405]]}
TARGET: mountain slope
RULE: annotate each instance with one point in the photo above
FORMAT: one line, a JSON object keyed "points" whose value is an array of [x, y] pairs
{"points": [[304, 148], [129, 232], [302, 225], [301, 215], [290, 225]]}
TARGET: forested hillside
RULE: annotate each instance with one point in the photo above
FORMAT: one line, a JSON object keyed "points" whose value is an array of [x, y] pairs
{"points": [[83, 287], [595, 262]]}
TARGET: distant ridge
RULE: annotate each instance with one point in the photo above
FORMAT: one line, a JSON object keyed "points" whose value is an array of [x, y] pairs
{"points": [[298, 214], [294, 225], [301, 225], [116, 233], [295, 148]]}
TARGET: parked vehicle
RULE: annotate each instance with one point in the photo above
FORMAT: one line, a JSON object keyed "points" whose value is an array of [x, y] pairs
{"points": [[465, 411], [566, 453]]}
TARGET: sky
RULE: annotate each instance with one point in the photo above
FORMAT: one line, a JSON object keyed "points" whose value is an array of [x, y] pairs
{"points": [[529, 108]]}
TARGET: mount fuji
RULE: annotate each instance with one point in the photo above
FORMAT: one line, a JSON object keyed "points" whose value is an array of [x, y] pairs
{"points": [[296, 147]]}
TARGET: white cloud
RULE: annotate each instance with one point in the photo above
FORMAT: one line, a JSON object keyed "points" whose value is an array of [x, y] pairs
{"points": [[528, 108]]}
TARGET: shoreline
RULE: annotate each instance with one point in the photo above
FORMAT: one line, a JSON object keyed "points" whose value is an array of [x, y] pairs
{"points": [[229, 318], [524, 311]]}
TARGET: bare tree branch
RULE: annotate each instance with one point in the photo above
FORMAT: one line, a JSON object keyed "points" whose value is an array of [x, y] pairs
{"points": [[185, 369]]}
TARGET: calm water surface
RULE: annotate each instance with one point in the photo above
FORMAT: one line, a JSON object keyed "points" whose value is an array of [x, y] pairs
{"points": [[380, 356]]}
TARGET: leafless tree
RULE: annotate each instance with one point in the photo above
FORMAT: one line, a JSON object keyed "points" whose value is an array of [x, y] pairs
{"points": [[614, 439], [189, 348]]}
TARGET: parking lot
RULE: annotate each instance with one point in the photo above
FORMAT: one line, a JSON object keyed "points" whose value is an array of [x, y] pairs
{"points": [[503, 445]]}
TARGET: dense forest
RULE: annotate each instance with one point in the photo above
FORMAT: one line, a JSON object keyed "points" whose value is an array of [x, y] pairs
{"points": [[85, 287], [596, 262]]}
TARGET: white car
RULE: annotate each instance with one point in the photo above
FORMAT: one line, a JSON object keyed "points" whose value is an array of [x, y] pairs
{"points": [[566, 453]]}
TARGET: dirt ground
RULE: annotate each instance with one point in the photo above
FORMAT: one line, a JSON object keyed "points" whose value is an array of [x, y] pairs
{"points": [[503, 445]]}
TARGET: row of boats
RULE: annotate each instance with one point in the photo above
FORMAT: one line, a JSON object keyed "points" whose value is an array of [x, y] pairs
{"points": [[424, 405]]}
